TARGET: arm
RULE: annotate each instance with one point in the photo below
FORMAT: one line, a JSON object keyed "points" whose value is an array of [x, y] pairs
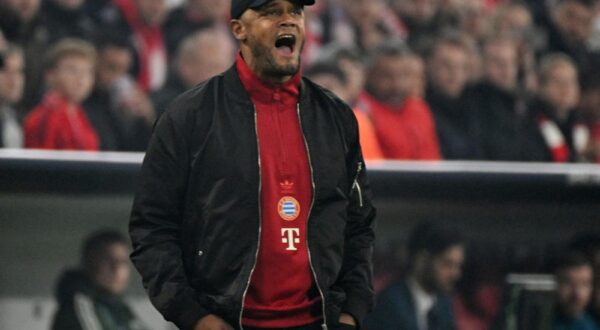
{"points": [[356, 273], [155, 226]]}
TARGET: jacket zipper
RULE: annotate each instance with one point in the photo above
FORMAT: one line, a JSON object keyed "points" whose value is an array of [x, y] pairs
{"points": [[324, 325], [356, 185], [259, 219]]}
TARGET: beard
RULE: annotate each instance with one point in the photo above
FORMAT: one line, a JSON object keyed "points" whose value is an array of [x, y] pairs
{"points": [[267, 63]]}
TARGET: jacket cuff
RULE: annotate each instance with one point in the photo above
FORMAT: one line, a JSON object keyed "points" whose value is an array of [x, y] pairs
{"points": [[187, 319], [358, 308]]}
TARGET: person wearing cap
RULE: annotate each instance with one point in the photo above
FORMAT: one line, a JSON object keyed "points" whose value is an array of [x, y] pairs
{"points": [[253, 209]]}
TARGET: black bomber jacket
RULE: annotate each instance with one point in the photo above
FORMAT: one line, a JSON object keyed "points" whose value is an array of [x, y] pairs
{"points": [[195, 222]]}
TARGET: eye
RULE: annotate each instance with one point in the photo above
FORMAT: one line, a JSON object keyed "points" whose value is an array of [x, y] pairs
{"points": [[297, 11]]}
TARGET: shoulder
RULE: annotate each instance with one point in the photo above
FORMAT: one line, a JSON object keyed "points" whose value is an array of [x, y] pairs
{"points": [[193, 102], [331, 102]]}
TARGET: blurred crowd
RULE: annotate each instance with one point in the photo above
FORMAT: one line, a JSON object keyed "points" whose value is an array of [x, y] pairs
{"points": [[501, 80]]}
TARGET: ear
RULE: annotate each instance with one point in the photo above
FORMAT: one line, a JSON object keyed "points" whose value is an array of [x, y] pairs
{"points": [[49, 77], [238, 29]]}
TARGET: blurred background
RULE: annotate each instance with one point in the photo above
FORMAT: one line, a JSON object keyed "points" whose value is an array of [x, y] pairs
{"points": [[483, 115]]}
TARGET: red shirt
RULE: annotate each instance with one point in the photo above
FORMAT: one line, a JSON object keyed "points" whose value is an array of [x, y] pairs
{"points": [[282, 290], [58, 124], [404, 132]]}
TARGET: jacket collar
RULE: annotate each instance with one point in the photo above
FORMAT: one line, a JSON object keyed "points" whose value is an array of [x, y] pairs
{"points": [[264, 92], [236, 92]]}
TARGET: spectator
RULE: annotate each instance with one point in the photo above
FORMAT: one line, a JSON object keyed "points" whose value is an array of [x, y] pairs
{"points": [[331, 76], [22, 25], [421, 300], [121, 113], [497, 107], [559, 134], [67, 19], [200, 56], [448, 73], [402, 120], [195, 15], [141, 21], [59, 122], [11, 90], [90, 296], [570, 25], [574, 276]]}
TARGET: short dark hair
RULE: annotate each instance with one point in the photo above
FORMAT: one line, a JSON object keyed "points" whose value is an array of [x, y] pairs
{"points": [[96, 244], [587, 243], [391, 48], [570, 259], [327, 68], [433, 238]]}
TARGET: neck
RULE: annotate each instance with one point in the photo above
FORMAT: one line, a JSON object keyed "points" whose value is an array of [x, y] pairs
{"points": [[256, 68]]}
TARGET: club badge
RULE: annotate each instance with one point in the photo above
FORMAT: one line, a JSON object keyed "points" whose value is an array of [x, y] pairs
{"points": [[288, 208]]}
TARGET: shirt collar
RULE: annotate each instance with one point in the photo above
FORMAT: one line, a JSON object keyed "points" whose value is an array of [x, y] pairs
{"points": [[264, 92], [423, 302]]}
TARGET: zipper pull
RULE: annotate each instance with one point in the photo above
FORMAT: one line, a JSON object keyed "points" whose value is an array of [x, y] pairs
{"points": [[356, 185]]}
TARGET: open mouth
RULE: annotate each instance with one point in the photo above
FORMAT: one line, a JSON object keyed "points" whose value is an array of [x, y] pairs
{"points": [[286, 43]]}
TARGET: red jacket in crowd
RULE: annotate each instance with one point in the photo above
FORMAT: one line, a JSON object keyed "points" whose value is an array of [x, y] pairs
{"points": [[58, 124]]}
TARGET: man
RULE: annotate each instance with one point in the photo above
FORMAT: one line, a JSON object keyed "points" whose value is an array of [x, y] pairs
{"points": [[90, 297], [555, 124], [421, 301], [12, 81], [393, 101], [448, 72], [200, 56], [120, 112], [254, 209], [495, 103], [570, 27], [574, 275]]}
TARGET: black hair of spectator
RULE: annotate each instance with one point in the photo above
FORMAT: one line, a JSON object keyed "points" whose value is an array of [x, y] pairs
{"points": [[452, 37], [95, 245], [433, 238], [390, 48], [351, 54], [112, 40], [2, 56], [327, 68], [570, 259], [587, 243]]}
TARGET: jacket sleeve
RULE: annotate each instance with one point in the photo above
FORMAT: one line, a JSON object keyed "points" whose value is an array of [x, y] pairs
{"points": [[156, 224], [357, 268]]}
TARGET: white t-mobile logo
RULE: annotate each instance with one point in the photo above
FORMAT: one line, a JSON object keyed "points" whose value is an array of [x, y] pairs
{"points": [[291, 236]]}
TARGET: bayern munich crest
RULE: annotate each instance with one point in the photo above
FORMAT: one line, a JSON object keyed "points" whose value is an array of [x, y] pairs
{"points": [[288, 208]]}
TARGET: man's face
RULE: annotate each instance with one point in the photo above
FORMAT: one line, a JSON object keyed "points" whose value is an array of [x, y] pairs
{"points": [[449, 70], [153, 12], [73, 77], [561, 87], [444, 270], [113, 63], [393, 78], [12, 79], [274, 35], [574, 20], [112, 269], [500, 64], [574, 289]]}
